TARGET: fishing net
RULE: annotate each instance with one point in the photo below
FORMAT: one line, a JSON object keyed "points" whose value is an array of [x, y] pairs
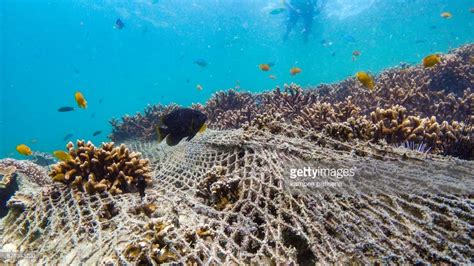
{"points": [[251, 196]]}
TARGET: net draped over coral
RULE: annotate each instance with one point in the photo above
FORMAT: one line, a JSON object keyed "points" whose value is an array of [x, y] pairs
{"points": [[225, 197]]}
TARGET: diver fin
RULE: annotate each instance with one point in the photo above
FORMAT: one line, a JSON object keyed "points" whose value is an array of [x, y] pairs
{"points": [[172, 141]]}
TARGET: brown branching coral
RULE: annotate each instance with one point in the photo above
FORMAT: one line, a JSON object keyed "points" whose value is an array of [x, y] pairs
{"points": [[394, 126], [108, 168]]}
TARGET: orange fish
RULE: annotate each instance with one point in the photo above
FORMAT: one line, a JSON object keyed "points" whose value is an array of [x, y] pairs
{"points": [[264, 67], [295, 70], [199, 87], [272, 77], [24, 150], [446, 15], [365, 79], [431, 60], [81, 101]]}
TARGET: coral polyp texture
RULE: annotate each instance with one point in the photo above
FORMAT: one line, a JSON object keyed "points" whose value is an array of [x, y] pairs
{"points": [[443, 92], [108, 168], [30, 171]]}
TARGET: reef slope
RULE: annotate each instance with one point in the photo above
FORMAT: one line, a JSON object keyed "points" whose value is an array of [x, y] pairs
{"points": [[430, 107]]}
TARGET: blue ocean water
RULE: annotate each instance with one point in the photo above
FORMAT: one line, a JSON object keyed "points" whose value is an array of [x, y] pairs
{"points": [[51, 49]]}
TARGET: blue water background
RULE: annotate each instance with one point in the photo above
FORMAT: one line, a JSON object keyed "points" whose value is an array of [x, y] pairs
{"points": [[51, 49]]}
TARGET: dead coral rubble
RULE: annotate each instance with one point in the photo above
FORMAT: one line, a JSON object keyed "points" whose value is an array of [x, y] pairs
{"points": [[108, 168]]}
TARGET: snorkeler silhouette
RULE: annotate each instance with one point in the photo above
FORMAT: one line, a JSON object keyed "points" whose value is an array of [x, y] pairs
{"points": [[305, 9]]}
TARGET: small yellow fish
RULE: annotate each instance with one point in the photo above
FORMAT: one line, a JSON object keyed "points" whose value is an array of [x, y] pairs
{"points": [[81, 101], [24, 150], [431, 60], [62, 155], [446, 15], [365, 79]]}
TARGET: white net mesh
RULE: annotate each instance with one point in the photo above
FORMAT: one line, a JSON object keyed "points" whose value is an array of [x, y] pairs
{"points": [[228, 197]]}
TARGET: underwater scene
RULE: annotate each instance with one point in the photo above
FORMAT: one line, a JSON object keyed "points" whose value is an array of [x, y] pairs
{"points": [[263, 132]]}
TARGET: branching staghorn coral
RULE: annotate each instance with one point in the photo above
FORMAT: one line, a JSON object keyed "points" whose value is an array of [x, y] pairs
{"points": [[108, 168], [394, 126]]}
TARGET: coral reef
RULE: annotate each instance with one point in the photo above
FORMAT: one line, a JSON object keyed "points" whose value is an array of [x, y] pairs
{"points": [[30, 171], [394, 126], [440, 98], [16, 174], [108, 168]]}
